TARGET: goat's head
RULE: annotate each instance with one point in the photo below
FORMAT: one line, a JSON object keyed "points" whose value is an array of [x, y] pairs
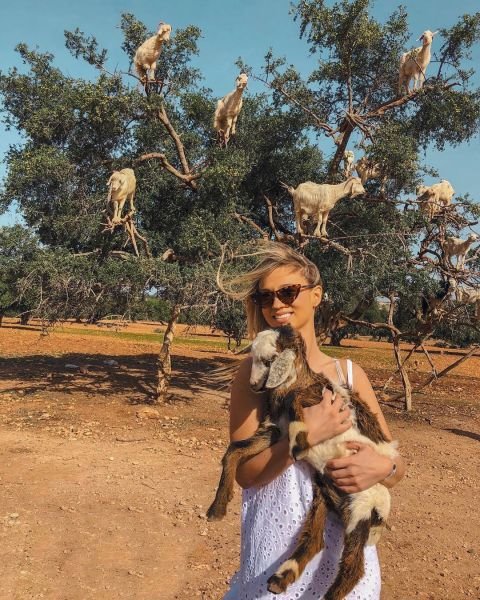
{"points": [[427, 37], [164, 31], [274, 358], [422, 191], [116, 181], [241, 81], [357, 187]]}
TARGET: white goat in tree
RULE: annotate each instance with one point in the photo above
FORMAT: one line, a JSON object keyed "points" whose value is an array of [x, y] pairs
{"points": [[228, 109], [367, 169], [454, 246], [348, 160], [316, 200], [413, 64], [147, 54], [433, 198], [121, 187], [469, 296]]}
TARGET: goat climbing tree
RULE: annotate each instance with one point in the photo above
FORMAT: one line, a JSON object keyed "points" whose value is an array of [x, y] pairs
{"points": [[193, 197]]}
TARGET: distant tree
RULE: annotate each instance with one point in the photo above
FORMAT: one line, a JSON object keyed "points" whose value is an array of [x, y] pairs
{"points": [[230, 319]]}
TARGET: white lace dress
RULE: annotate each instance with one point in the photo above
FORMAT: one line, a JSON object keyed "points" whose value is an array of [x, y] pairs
{"points": [[272, 517]]}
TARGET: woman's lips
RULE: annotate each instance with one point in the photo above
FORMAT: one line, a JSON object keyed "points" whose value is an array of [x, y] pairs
{"points": [[283, 317]]}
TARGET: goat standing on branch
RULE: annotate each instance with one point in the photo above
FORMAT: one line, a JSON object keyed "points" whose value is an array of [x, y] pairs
{"points": [[348, 163], [413, 64], [454, 246], [147, 54], [435, 197], [121, 187], [228, 109], [316, 200]]}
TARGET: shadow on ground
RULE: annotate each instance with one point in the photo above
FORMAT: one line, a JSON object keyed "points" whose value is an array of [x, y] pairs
{"points": [[469, 434], [132, 376]]}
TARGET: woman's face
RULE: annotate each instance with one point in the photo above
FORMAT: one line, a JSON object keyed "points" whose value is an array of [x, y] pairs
{"points": [[300, 314]]}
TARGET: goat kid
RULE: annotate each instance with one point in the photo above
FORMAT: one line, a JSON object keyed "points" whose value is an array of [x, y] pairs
{"points": [[279, 366]]}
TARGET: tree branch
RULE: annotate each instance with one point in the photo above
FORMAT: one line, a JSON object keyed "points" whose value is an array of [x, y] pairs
{"points": [[188, 179]]}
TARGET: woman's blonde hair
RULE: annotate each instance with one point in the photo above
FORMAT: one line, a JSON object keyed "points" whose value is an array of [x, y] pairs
{"points": [[267, 257]]}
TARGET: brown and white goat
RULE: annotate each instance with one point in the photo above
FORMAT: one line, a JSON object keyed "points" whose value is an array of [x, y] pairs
{"points": [[280, 367]]}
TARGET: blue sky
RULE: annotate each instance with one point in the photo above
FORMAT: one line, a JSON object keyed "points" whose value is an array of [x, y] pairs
{"points": [[231, 28]]}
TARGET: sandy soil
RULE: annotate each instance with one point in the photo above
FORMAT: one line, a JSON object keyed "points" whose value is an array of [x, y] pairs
{"points": [[103, 495]]}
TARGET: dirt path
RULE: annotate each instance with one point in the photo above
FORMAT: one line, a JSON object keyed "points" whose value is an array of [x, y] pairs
{"points": [[98, 503]]}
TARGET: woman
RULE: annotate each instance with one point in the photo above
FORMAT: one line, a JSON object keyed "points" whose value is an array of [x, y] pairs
{"points": [[285, 287]]}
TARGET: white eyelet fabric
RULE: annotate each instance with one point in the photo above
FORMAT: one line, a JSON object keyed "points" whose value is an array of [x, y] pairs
{"points": [[272, 517]]}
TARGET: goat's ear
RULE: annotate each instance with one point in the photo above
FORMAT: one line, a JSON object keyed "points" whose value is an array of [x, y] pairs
{"points": [[281, 369], [110, 180]]}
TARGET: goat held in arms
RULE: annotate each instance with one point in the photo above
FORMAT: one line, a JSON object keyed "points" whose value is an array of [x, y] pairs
{"points": [[280, 367]]}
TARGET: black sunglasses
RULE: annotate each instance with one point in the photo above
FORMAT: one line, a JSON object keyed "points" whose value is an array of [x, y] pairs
{"points": [[287, 294]]}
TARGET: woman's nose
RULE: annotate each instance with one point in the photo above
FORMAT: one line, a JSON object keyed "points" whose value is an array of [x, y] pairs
{"points": [[277, 303]]}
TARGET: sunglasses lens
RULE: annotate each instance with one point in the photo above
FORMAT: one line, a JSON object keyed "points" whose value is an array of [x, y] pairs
{"points": [[288, 294], [263, 299]]}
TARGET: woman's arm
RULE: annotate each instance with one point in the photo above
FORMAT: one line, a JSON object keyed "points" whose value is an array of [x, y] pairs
{"points": [[366, 467], [246, 413]]}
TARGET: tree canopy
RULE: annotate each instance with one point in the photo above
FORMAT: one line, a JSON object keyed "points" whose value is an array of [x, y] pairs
{"points": [[194, 197]]}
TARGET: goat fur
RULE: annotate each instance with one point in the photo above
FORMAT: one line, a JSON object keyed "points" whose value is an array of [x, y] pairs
{"points": [[121, 187], [147, 54], [454, 246], [227, 110], [316, 200], [413, 64], [435, 197]]}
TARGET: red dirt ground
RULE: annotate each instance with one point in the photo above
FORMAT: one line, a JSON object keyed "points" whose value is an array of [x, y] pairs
{"points": [[100, 502]]}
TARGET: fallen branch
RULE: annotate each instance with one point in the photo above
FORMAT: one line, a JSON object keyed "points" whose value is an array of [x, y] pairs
{"points": [[434, 377]]}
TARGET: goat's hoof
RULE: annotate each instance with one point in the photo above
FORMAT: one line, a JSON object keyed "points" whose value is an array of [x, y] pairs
{"points": [[279, 583], [216, 513]]}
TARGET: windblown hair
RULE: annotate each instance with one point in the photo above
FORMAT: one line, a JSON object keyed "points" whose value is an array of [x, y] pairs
{"points": [[268, 256]]}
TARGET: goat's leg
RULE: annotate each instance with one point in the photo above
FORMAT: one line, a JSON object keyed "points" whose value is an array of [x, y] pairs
{"points": [[351, 568], [234, 125], [310, 542], [297, 430], [132, 205], [237, 452]]}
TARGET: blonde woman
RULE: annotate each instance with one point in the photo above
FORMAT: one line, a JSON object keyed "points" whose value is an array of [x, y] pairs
{"points": [[285, 287]]}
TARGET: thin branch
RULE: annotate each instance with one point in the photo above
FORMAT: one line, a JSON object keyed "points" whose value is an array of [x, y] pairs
{"points": [[436, 376], [280, 236], [189, 179], [329, 130], [244, 219], [391, 104], [162, 115]]}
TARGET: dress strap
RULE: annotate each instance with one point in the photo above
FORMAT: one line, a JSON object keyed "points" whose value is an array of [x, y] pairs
{"points": [[341, 377], [349, 374]]}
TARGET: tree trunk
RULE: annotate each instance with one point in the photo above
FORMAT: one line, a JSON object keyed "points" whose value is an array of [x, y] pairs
{"points": [[164, 371], [346, 129], [336, 336], [407, 386]]}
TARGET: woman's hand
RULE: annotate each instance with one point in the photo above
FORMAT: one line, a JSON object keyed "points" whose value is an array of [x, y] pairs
{"points": [[359, 471], [326, 419]]}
